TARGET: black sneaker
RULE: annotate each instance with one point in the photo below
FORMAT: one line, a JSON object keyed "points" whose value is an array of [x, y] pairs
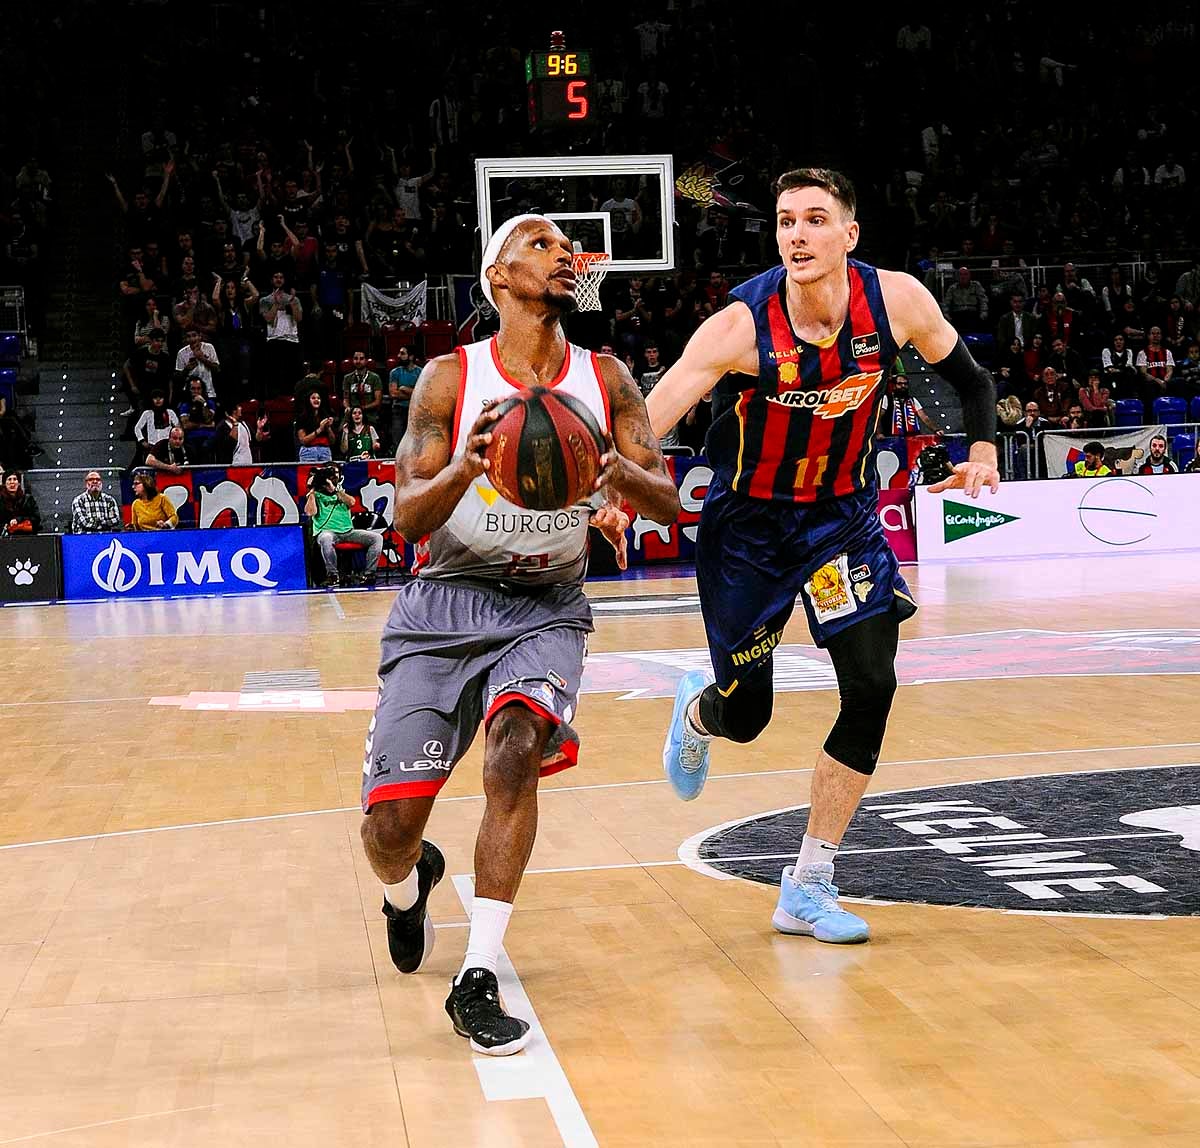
{"points": [[474, 1007], [410, 931]]}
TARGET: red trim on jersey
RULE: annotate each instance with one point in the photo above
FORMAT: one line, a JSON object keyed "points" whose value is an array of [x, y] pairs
{"points": [[862, 322], [777, 418], [603, 392], [562, 374], [420, 553], [399, 790], [458, 402], [782, 335], [775, 425], [820, 433]]}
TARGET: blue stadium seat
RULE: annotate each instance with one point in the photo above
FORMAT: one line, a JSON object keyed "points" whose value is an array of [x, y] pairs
{"points": [[1195, 409], [1170, 411], [1130, 413], [10, 347], [1183, 449], [982, 346]]}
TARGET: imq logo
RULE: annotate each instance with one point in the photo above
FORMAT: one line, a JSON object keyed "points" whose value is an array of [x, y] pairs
{"points": [[118, 570], [1120, 842], [960, 520]]}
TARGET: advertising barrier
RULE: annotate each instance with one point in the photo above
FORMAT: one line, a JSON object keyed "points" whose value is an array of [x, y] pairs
{"points": [[1068, 516], [220, 496], [30, 568], [650, 543], [183, 563]]}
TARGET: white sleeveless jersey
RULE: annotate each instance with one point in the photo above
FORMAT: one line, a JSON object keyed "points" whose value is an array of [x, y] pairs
{"points": [[487, 536]]}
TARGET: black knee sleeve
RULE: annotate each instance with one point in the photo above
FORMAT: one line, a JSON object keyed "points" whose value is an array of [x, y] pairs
{"points": [[864, 658], [744, 714]]}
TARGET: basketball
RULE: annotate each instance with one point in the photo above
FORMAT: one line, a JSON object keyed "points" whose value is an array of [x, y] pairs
{"points": [[545, 450]]}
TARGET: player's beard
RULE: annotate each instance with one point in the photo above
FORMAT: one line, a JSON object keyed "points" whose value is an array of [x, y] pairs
{"points": [[564, 303]]}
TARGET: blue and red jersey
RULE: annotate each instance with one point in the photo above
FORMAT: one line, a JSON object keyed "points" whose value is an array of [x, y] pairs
{"points": [[803, 430]]}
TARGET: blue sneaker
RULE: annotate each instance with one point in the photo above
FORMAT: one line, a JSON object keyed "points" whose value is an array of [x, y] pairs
{"points": [[685, 756], [808, 907]]}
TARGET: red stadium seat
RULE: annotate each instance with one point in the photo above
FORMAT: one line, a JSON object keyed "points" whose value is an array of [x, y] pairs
{"points": [[396, 336], [437, 337]]}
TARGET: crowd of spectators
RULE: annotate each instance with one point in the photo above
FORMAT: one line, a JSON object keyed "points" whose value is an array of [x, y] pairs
{"points": [[256, 207]]}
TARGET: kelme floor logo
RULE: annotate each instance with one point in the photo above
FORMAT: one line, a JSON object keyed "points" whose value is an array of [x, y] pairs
{"points": [[961, 520], [1113, 842]]}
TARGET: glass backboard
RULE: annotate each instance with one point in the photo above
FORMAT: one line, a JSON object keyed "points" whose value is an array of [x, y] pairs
{"points": [[621, 204]]}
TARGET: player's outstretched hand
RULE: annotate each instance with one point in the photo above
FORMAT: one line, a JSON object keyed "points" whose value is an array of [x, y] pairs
{"points": [[970, 478], [612, 522], [477, 441]]}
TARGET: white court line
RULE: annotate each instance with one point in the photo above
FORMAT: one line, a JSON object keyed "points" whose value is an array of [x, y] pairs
{"points": [[626, 785], [337, 606], [841, 853], [107, 1123], [535, 1072]]}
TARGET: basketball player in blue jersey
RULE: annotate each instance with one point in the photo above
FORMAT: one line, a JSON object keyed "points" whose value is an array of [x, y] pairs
{"points": [[493, 629], [801, 355]]}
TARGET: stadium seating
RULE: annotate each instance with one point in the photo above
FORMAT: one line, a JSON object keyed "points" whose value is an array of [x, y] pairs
{"points": [[1130, 413], [1195, 410], [396, 336], [1183, 449], [1169, 411], [437, 337], [8, 386]]}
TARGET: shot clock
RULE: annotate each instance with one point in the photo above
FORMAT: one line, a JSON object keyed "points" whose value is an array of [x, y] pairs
{"points": [[559, 84]]}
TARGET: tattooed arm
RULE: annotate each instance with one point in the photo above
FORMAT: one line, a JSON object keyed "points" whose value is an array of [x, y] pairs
{"points": [[428, 483], [633, 465]]}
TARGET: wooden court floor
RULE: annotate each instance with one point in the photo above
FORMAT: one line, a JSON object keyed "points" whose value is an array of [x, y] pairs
{"points": [[191, 950]]}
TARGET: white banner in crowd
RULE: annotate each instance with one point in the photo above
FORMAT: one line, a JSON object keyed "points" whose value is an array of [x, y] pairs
{"points": [[377, 308], [1123, 452], [1067, 516]]}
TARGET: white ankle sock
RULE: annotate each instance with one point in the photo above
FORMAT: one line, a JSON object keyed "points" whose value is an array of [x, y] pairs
{"points": [[489, 919], [814, 851], [403, 894], [692, 718]]}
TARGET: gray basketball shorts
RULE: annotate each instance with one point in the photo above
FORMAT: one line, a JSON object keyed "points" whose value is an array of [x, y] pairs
{"points": [[451, 656]]}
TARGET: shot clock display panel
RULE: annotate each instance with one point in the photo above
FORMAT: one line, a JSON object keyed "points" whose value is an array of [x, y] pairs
{"points": [[558, 65], [559, 86]]}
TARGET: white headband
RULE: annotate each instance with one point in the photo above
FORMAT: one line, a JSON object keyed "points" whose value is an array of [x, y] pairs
{"points": [[494, 245]]}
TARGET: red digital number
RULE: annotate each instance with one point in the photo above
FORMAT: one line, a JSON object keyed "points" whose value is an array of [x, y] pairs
{"points": [[577, 97]]}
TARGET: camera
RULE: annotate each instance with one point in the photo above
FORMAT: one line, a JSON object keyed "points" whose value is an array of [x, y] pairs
{"points": [[324, 478]]}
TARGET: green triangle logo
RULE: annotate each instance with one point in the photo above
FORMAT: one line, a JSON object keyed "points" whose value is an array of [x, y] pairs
{"points": [[960, 520]]}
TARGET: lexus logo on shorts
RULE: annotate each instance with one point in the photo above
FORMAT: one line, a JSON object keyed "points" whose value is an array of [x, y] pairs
{"points": [[1121, 842], [432, 749], [116, 568]]}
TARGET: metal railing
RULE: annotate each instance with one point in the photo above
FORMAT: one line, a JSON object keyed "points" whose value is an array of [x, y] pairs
{"points": [[12, 313], [1023, 456]]}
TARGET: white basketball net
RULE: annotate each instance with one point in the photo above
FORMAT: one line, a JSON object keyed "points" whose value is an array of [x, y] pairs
{"points": [[590, 269]]}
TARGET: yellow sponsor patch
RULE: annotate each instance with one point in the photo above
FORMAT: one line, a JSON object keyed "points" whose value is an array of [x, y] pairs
{"points": [[828, 590]]}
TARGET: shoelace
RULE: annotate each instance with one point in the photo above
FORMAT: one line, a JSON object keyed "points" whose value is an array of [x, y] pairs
{"points": [[824, 893], [691, 750]]}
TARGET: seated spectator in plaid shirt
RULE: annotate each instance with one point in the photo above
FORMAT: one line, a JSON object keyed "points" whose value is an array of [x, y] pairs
{"points": [[93, 511]]}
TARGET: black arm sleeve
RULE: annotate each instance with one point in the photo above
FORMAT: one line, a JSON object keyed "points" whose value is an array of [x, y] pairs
{"points": [[976, 391]]}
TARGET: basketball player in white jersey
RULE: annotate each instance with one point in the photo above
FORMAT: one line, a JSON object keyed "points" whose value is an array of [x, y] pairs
{"points": [[494, 627]]}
